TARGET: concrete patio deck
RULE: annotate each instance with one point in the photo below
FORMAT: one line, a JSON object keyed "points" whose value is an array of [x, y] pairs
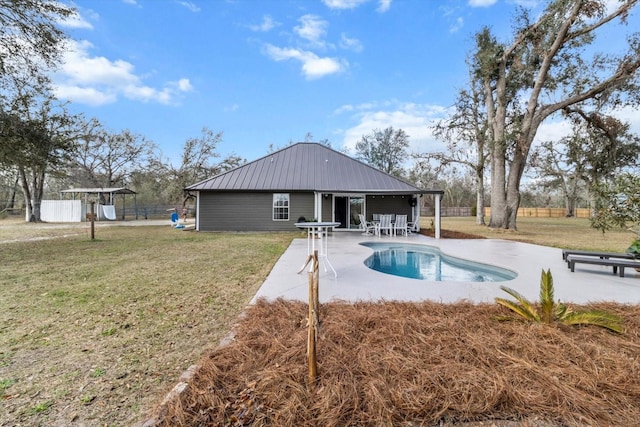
{"points": [[356, 282]]}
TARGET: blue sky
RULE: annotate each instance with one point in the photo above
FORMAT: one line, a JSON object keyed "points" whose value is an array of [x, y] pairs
{"points": [[270, 71]]}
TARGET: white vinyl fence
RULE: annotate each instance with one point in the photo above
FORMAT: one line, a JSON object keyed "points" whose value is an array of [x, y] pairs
{"points": [[61, 211], [73, 211]]}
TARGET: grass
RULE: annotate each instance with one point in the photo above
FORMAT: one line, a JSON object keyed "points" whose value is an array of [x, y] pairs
{"points": [[118, 318], [141, 304], [566, 233]]}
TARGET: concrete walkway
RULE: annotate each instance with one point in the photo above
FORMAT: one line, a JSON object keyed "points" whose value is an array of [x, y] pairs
{"points": [[356, 282]]}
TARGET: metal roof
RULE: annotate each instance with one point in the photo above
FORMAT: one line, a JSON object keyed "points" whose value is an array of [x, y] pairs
{"points": [[98, 190], [308, 166]]}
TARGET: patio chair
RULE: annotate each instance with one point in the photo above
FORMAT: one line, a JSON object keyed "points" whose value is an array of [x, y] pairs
{"points": [[367, 227], [401, 225], [385, 224]]}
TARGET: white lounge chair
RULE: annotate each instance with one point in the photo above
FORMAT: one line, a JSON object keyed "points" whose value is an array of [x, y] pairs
{"points": [[367, 227]]}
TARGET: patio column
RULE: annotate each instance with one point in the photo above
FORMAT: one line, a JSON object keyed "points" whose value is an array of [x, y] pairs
{"points": [[197, 211], [438, 220], [318, 205], [415, 211]]}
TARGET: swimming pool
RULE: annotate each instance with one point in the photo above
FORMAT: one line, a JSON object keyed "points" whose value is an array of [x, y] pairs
{"points": [[429, 263]]}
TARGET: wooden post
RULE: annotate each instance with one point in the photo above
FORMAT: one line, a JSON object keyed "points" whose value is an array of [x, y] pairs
{"points": [[313, 320], [93, 220]]}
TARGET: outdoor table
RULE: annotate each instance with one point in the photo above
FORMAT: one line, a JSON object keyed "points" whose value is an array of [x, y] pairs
{"points": [[318, 229]]}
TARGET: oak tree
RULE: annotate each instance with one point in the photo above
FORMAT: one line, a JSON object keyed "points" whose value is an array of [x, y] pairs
{"points": [[544, 69]]}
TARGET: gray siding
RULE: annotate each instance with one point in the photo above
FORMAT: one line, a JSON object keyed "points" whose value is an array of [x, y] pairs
{"points": [[222, 211], [388, 205], [327, 208]]}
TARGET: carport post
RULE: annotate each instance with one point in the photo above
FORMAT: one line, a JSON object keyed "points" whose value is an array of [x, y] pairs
{"points": [[93, 220]]}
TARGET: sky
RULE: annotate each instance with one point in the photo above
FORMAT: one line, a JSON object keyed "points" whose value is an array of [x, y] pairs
{"points": [[270, 72]]}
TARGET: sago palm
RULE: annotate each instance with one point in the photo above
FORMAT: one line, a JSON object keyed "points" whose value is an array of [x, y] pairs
{"points": [[551, 311]]}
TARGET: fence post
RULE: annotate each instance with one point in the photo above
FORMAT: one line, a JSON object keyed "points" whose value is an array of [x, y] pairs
{"points": [[313, 320]]}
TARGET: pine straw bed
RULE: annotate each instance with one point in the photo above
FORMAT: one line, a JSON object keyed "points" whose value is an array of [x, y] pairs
{"points": [[409, 364]]}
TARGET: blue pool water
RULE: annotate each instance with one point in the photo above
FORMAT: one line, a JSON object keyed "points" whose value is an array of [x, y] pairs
{"points": [[428, 263]]}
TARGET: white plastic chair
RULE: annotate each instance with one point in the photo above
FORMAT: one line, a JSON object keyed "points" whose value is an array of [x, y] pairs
{"points": [[401, 225], [367, 228], [385, 224]]}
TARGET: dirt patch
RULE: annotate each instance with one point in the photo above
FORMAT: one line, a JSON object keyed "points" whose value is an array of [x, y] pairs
{"points": [[409, 364]]}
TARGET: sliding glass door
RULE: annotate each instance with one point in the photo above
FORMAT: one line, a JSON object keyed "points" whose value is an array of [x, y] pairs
{"points": [[346, 210]]}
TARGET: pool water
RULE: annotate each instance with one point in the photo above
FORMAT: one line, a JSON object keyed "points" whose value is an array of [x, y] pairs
{"points": [[429, 263]]}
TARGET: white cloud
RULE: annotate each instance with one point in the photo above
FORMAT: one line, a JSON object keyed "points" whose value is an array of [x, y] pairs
{"points": [[184, 85], [630, 115], [347, 108], [457, 25], [526, 3], [96, 80], [556, 128], [482, 3], [414, 119], [553, 130], [267, 24], [312, 28], [349, 43], [76, 21], [85, 95], [611, 5], [133, 2], [313, 66], [312, 31], [192, 7], [343, 4], [383, 5]]}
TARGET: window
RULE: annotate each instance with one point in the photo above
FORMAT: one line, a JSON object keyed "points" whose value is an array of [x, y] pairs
{"points": [[281, 207]]}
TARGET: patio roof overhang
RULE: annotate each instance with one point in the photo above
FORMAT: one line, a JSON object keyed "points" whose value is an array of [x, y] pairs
{"points": [[100, 190]]}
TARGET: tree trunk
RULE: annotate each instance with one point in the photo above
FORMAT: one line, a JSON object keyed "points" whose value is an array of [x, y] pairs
{"points": [[570, 205], [33, 192], [570, 193], [12, 199], [498, 217], [480, 199], [26, 192], [38, 193], [499, 201], [516, 170]]}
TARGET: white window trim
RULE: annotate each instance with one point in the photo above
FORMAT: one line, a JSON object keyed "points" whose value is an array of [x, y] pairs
{"points": [[273, 206]]}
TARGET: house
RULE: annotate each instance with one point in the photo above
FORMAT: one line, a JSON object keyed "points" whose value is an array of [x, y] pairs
{"points": [[304, 180]]}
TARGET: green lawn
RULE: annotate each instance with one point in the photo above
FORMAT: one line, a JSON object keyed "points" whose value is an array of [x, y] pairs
{"points": [[566, 233], [95, 332]]}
